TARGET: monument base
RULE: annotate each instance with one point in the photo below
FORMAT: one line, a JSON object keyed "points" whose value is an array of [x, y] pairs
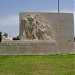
{"points": [[30, 47]]}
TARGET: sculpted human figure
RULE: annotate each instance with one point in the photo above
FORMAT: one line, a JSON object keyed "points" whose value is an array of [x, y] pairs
{"points": [[33, 26], [26, 27], [42, 27]]}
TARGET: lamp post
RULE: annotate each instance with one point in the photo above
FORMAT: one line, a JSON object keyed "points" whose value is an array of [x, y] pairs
{"points": [[58, 6]]}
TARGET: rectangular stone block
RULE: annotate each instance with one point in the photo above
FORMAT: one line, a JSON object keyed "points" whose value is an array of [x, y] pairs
{"points": [[28, 48]]}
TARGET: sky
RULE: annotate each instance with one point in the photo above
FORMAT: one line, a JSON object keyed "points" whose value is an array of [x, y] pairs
{"points": [[10, 9]]}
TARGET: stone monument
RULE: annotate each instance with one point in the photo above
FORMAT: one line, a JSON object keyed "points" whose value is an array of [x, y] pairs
{"points": [[57, 28], [42, 33]]}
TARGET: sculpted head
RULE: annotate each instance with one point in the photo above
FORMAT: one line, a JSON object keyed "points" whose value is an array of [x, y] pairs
{"points": [[24, 19], [30, 18]]}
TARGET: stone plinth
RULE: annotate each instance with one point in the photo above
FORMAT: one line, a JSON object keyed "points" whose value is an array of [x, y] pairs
{"points": [[28, 48]]}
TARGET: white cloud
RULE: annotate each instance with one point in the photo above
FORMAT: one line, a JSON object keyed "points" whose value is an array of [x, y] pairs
{"points": [[9, 20]]}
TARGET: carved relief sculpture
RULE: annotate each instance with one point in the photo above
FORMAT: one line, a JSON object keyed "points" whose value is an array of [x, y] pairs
{"points": [[35, 27]]}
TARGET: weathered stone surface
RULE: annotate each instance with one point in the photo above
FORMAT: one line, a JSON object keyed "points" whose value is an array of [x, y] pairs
{"points": [[62, 28], [61, 34], [28, 48], [34, 27]]}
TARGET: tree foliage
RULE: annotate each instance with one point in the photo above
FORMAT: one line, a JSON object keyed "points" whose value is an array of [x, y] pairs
{"points": [[5, 34], [16, 38], [0, 36]]}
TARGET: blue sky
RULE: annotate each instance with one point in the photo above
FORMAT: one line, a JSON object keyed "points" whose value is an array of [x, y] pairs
{"points": [[9, 11]]}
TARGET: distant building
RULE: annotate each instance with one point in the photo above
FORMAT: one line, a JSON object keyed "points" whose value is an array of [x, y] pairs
{"points": [[6, 38]]}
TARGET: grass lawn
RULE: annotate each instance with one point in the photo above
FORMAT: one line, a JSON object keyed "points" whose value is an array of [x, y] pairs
{"points": [[37, 65]]}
